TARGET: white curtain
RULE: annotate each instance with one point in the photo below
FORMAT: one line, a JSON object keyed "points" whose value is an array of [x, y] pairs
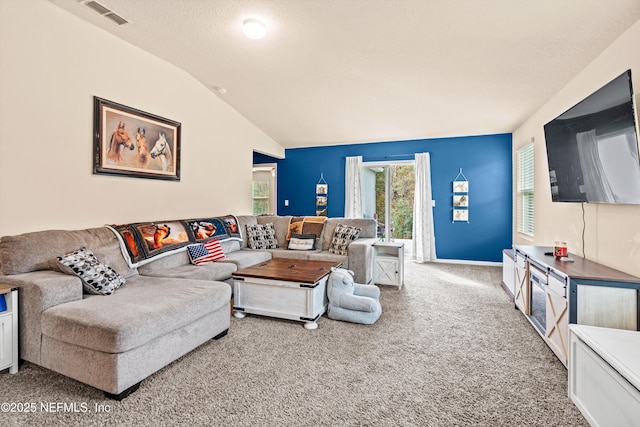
{"points": [[424, 243], [353, 188]]}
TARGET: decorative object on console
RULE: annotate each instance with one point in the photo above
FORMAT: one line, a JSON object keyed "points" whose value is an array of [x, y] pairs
{"points": [[130, 142], [350, 301], [261, 236], [460, 198], [322, 194], [97, 278], [302, 242], [560, 249], [204, 253], [343, 235]]}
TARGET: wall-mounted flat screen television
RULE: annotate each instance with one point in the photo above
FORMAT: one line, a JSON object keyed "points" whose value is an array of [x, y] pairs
{"points": [[592, 148]]}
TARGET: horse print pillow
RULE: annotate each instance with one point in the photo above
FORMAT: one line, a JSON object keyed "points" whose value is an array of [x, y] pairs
{"points": [[97, 278]]}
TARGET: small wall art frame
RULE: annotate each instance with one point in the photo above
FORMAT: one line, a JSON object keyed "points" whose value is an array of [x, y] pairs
{"points": [[460, 198], [322, 196], [133, 143]]}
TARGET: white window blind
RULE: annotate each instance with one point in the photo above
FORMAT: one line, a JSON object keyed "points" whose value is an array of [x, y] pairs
{"points": [[524, 196]]}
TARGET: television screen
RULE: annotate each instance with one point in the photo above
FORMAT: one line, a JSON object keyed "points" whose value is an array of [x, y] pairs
{"points": [[592, 148]]}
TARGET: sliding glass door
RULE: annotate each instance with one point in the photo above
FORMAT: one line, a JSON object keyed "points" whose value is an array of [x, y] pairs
{"points": [[387, 195]]}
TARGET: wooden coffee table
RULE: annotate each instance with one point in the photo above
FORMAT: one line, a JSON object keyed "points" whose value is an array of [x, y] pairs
{"points": [[285, 288]]}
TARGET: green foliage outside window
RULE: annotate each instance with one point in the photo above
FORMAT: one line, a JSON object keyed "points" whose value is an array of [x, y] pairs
{"points": [[402, 190]]}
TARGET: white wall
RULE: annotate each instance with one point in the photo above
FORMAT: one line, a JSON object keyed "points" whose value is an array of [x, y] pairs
{"points": [[611, 232], [52, 64]]}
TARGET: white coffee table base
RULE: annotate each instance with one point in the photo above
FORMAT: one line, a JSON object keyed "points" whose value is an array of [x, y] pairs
{"points": [[279, 298]]}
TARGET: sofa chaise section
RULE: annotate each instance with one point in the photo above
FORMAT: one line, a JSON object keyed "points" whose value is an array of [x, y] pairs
{"points": [[110, 342], [117, 341]]}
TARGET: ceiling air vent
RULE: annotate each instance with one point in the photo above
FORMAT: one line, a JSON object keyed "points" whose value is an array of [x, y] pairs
{"points": [[106, 12]]}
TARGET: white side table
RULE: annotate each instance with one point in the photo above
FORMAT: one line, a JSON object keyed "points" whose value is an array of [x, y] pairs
{"points": [[9, 329], [604, 374], [388, 263]]}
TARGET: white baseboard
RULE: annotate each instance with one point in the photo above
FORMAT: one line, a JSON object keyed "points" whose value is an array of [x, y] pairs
{"points": [[464, 261]]}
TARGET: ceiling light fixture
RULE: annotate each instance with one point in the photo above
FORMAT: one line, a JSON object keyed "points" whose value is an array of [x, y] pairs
{"points": [[253, 28]]}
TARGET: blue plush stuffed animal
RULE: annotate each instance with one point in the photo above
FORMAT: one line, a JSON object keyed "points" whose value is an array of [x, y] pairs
{"points": [[352, 302]]}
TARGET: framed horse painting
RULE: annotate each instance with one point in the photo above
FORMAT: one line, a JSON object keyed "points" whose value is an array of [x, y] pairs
{"points": [[130, 142]]}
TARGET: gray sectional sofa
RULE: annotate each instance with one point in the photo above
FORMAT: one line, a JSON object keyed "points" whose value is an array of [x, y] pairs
{"points": [[239, 255], [166, 308]]}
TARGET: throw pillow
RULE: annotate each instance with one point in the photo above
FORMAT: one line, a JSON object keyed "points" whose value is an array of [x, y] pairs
{"points": [[97, 278], [343, 235], [302, 242], [204, 253], [261, 236]]}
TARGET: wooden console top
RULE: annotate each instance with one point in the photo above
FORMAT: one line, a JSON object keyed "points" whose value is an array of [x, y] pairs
{"points": [[580, 268], [290, 270]]}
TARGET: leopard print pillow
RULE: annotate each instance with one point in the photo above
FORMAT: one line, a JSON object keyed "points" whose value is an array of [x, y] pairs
{"points": [[97, 278], [261, 236]]}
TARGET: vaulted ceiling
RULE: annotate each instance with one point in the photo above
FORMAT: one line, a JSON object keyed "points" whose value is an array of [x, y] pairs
{"points": [[350, 71]]}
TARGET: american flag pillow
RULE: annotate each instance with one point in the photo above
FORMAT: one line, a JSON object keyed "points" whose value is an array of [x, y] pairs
{"points": [[202, 253]]}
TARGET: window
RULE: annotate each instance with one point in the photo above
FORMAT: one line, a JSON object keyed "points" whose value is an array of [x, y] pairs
{"points": [[524, 196], [264, 189], [260, 197]]}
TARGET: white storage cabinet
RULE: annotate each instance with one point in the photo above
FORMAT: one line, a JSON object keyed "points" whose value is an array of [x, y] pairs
{"points": [[388, 263], [9, 329]]}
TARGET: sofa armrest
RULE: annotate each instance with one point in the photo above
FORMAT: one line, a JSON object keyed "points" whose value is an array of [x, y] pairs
{"points": [[357, 303], [360, 259], [38, 291], [369, 291]]}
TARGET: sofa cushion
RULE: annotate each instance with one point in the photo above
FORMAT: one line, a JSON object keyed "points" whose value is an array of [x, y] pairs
{"points": [[218, 270], [26, 252], [343, 235], [261, 236], [176, 259], [243, 220], [247, 257], [280, 224], [97, 277], [367, 226], [230, 246], [328, 256], [142, 310], [286, 253]]}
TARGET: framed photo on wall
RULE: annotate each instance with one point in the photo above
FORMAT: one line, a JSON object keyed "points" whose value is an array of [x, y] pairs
{"points": [[133, 143], [461, 215], [460, 200], [460, 186]]}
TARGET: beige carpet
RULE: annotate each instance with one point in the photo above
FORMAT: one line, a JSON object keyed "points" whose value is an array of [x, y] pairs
{"points": [[449, 350]]}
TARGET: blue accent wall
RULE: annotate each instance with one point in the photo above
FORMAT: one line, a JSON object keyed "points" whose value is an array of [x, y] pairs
{"points": [[486, 163]]}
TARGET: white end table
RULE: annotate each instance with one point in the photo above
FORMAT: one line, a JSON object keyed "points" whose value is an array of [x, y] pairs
{"points": [[388, 263], [9, 329]]}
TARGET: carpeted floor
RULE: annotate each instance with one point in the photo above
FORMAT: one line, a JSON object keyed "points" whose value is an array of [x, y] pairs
{"points": [[449, 350]]}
